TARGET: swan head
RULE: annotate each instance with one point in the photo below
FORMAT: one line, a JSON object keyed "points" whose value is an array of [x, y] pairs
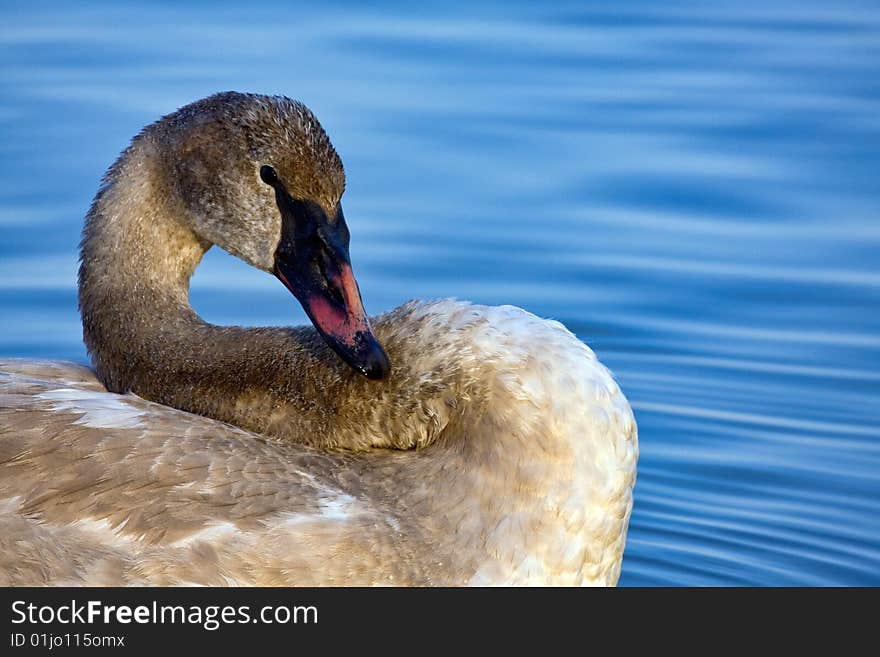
{"points": [[258, 176]]}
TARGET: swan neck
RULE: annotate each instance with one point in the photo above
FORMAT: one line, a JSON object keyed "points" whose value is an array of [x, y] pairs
{"points": [[135, 237], [137, 257]]}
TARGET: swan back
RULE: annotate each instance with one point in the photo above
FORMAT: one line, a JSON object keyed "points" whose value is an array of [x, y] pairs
{"points": [[524, 475]]}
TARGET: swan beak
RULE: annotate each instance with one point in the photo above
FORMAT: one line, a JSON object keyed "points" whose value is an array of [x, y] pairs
{"points": [[342, 322], [315, 266]]}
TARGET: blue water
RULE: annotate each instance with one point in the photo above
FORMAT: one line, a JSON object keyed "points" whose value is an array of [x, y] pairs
{"points": [[693, 188]]}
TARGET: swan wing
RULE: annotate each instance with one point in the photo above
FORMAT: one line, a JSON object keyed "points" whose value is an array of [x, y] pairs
{"points": [[104, 489]]}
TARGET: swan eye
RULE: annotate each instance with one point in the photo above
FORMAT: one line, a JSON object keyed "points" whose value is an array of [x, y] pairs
{"points": [[268, 175]]}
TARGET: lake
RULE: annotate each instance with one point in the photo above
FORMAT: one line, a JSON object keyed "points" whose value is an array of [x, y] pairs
{"points": [[692, 188]]}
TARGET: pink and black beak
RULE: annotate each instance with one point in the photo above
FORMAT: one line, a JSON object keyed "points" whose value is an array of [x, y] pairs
{"points": [[312, 260]]}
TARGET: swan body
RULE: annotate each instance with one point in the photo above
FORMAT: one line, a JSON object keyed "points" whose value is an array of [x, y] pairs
{"points": [[498, 450]]}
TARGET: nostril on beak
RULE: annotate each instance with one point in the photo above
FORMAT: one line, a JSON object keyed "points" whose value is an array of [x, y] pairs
{"points": [[328, 273], [335, 291]]}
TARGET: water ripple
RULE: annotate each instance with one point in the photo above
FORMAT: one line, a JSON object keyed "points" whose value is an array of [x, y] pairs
{"points": [[690, 187]]}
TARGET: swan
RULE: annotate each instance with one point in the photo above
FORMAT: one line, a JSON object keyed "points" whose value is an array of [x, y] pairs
{"points": [[440, 443]]}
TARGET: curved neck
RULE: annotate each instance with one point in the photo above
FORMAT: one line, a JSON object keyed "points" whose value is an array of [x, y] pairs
{"points": [[137, 258]]}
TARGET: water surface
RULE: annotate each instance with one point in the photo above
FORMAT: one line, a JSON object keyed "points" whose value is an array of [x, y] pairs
{"points": [[690, 187]]}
